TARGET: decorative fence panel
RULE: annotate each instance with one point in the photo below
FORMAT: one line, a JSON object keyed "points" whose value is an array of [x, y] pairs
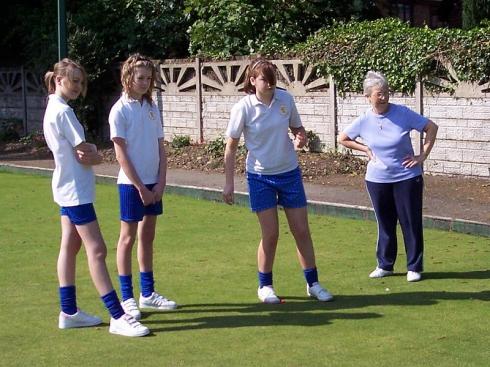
{"points": [[198, 105], [196, 97], [22, 97]]}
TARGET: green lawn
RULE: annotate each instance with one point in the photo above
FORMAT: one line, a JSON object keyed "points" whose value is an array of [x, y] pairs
{"points": [[205, 260]]}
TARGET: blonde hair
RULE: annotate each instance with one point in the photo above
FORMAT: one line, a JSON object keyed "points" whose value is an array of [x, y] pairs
{"points": [[374, 79], [64, 68], [259, 67], [128, 70]]}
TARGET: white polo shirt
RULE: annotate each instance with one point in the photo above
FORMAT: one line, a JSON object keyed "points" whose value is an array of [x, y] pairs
{"points": [[73, 183], [140, 125], [266, 132]]}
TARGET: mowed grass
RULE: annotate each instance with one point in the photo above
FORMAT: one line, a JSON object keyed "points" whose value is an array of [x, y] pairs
{"points": [[205, 259]]}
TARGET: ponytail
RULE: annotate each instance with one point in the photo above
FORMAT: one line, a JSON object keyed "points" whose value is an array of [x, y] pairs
{"points": [[50, 82], [64, 68]]}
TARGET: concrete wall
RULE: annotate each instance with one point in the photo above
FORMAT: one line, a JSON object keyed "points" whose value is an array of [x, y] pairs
{"points": [[462, 147]]}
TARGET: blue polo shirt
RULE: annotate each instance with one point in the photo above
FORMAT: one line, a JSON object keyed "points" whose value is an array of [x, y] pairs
{"points": [[388, 137]]}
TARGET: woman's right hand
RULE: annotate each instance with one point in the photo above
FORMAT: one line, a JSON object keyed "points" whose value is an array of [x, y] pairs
{"points": [[228, 194], [370, 154]]}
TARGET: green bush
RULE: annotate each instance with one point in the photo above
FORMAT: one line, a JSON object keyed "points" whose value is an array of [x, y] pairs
{"points": [[314, 144], [34, 139], [180, 141], [216, 147], [10, 129], [242, 149]]}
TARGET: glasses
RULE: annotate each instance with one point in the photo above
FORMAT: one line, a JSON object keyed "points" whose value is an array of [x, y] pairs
{"points": [[382, 93]]}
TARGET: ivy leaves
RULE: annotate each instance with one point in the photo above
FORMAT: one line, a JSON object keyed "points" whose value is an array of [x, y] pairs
{"points": [[348, 50]]}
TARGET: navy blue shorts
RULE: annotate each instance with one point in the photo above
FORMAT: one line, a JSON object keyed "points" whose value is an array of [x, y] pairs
{"points": [[79, 214], [131, 206], [268, 191]]}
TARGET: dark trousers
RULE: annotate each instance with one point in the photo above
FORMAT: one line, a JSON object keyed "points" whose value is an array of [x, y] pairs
{"points": [[398, 201]]}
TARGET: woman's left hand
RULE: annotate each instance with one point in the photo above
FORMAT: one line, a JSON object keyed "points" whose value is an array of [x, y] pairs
{"points": [[412, 161]]}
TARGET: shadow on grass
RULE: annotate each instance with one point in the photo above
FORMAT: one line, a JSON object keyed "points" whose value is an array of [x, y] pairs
{"points": [[282, 318], [479, 274], [300, 311]]}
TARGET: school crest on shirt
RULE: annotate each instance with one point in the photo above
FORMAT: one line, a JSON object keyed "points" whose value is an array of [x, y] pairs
{"points": [[283, 110], [151, 115]]}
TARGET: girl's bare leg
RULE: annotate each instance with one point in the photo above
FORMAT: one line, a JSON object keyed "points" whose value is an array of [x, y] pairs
{"points": [[269, 225]]}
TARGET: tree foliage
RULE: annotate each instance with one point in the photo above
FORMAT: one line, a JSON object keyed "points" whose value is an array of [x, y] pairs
{"points": [[223, 28], [102, 33], [474, 11], [348, 50], [29, 33]]}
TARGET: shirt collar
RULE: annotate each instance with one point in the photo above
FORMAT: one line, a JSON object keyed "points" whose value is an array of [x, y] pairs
{"points": [[255, 101], [56, 97], [126, 97]]}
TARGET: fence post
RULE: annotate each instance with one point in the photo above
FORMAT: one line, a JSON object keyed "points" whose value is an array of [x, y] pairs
{"points": [[62, 45], [332, 91], [419, 107], [24, 100], [199, 121]]}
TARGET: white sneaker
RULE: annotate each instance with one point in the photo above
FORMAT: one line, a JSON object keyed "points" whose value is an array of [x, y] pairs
{"points": [[131, 308], [267, 294], [413, 276], [126, 325], [157, 301], [318, 292], [380, 273], [79, 319]]}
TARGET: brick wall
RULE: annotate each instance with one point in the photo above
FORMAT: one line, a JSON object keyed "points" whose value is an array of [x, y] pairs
{"points": [[179, 115], [463, 142], [216, 113]]}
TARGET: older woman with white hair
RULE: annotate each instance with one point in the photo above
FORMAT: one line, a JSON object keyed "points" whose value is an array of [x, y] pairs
{"points": [[394, 173]]}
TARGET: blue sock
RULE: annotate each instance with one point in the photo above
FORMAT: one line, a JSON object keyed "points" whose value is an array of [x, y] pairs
{"points": [[111, 302], [147, 283], [311, 276], [126, 282], [264, 279], [68, 299]]}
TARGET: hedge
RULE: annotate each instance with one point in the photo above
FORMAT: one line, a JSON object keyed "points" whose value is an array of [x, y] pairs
{"points": [[348, 50]]}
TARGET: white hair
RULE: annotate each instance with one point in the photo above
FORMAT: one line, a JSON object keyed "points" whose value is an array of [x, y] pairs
{"points": [[374, 79]]}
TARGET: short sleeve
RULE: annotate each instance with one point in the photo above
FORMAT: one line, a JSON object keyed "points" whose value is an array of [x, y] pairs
{"points": [[237, 121], [70, 128], [294, 119], [415, 120], [160, 131], [353, 131], [117, 123]]}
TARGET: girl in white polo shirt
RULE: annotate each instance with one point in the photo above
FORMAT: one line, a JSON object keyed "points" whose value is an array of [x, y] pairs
{"points": [[265, 117], [74, 190], [137, 133]]}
